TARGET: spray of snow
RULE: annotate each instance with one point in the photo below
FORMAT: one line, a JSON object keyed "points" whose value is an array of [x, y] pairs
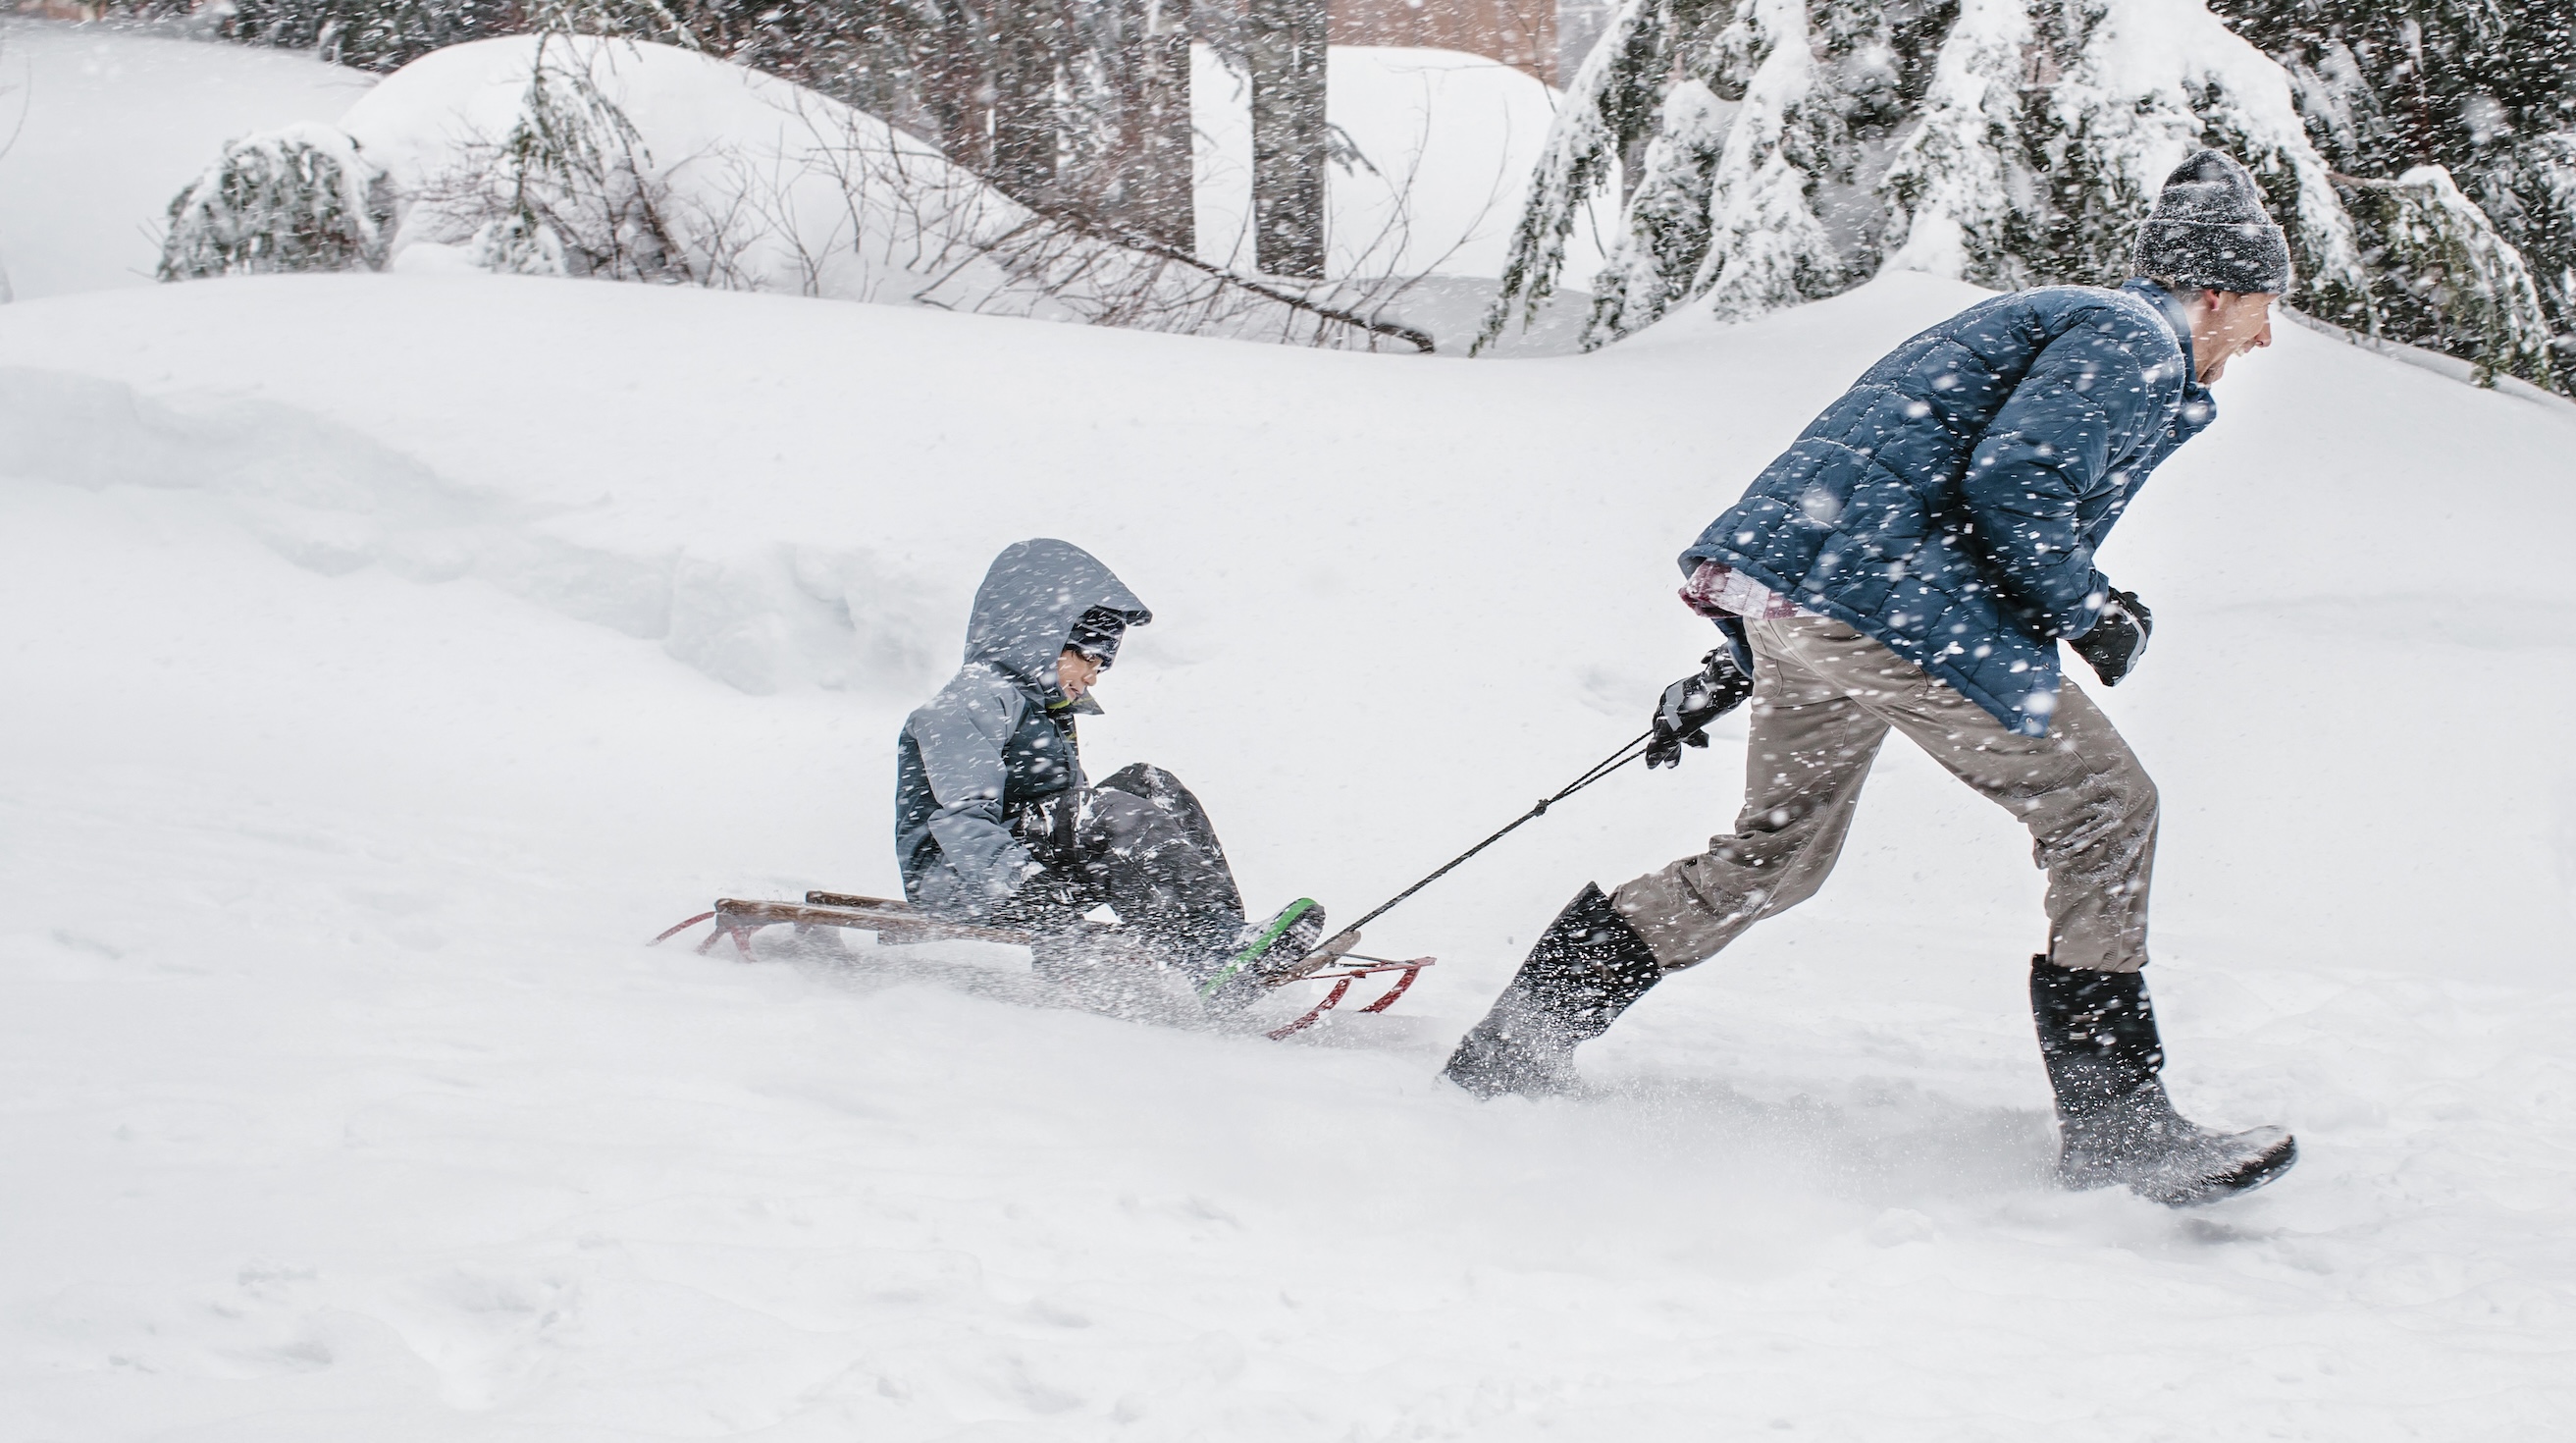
{"points": [[355, 757]]}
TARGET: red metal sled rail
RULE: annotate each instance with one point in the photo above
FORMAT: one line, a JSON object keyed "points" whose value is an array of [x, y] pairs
{"points": [[894, 921]]}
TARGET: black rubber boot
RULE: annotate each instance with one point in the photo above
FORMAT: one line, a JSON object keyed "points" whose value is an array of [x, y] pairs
{"points": [[1260, 955], [1588, 967], [2097, 1033]]}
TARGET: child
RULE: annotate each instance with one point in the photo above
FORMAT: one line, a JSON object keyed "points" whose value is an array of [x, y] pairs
{"points": [[996, 823]]}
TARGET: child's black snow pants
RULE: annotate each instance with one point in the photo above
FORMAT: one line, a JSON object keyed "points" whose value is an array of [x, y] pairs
{"points": [[1140, 843]]}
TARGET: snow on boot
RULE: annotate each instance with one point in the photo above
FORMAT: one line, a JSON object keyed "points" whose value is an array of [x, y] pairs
{"points": [[2097, 1033], [1587, 968], [1263, 953]]}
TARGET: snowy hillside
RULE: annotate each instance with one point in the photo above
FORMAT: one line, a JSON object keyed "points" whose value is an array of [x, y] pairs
{"points": [[108, 125], [103, 127], [392, 654]]}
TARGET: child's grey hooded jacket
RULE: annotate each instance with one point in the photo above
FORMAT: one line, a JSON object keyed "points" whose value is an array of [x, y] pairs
{"points": [[1000, 735]]}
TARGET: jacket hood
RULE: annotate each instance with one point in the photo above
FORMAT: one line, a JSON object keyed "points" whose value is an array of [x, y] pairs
{"points": [[1028, 604]]}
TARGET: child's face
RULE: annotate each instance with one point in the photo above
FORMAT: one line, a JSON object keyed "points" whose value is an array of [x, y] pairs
{"points": [[1075, 673]]}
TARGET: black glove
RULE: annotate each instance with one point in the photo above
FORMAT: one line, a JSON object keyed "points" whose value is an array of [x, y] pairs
{"points": [[1690, 704], [1044, 901], [2118, 638]]}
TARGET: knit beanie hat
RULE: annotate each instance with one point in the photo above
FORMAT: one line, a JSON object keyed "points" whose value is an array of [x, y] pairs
{"points": [[2209, 231], [1096, 634]]}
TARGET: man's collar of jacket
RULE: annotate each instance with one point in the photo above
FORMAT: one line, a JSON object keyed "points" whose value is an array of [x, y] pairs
{"points": [[2195, 396]]}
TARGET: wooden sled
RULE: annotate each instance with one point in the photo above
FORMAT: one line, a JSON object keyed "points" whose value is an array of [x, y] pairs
{"points": [[897, 923]]}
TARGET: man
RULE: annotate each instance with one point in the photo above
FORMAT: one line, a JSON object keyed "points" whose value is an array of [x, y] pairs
{"points": [[1912, 562], [996, 823]]}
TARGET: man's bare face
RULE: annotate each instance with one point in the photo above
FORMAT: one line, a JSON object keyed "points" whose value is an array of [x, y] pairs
{"points": [[2225, 325], [1075, 673]]}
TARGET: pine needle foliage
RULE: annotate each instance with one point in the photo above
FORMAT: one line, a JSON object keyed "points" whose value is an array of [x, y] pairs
{"points": [[573, 169], [1774, 151], [301, 198], [2448, 272], [2486, 91]]}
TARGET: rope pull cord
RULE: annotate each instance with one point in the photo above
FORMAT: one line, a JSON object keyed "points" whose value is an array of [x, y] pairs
{"points": [[1627, 753]]}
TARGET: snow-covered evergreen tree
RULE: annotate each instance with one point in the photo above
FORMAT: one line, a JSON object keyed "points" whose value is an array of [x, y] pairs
{"points": [[1962, 197], [1766, 246], [1777, 149], [2453, 275], [1655, 263], [369, 34], [2541, 183], [299, 198], [571, 191], [1732, 115], [2486, 89], [2144, 83], [2025, 153], [1610, 105]]}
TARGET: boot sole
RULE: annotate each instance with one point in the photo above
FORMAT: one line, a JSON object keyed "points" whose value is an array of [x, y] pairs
{"points": [[2243, 1180], [1494, 1071]]}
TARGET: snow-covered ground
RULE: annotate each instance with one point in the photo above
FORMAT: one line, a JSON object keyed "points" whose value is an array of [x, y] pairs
{"points": [[1442, 146], [100, 128], [390, 655]]}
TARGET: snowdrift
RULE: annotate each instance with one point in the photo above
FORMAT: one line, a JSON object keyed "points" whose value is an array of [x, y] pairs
{"points": [[763, 185], [1440, 146], [396, 651], [637, 161], [104, 126]]}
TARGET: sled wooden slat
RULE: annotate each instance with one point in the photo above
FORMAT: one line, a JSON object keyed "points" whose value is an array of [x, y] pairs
{"points": [[747, 915], [738, 918], [853, 899]]}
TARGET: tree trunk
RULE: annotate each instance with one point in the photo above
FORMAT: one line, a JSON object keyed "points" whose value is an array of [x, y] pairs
{"points": [[1130, 122], [1028, 36], [938, 68], [1158, 182], [1284, 42]]}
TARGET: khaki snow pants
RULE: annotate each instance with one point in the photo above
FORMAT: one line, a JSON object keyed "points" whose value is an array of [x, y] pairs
{"points": [[1824, 699]]}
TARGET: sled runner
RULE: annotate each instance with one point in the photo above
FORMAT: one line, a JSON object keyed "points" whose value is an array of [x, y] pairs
{"points": [[896, 923]]}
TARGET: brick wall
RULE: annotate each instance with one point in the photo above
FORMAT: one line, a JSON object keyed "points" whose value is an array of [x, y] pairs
{"points": [[1519, 33]]}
